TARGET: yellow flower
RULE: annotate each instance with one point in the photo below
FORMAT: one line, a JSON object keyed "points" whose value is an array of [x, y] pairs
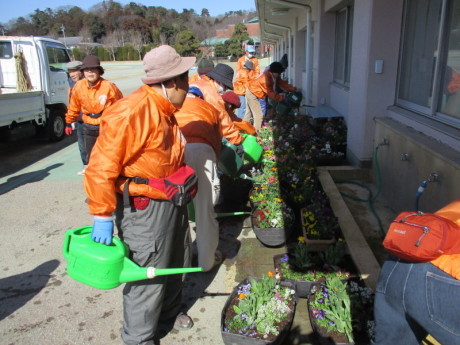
{"points": [[301, 239], [241, 295], [279, 200], [270, 274]]}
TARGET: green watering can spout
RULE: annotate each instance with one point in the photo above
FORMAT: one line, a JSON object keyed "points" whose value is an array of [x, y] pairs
{"points": [[106, 267]]}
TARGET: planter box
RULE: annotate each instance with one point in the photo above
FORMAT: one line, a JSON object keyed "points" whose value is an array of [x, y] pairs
{"points": [[316, 245], [303, 287], [270, 237], [238, 339], [360, 315], [327, 338]]}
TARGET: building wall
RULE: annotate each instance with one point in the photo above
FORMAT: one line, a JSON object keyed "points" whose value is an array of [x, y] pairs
{"points": [[368, 103], [401, 177]]}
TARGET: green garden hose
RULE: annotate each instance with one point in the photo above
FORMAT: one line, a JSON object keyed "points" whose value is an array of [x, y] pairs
{"points": [[371, 197]]}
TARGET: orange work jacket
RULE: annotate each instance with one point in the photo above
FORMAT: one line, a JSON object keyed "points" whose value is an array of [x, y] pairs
{"points": [[264, 85], [139, 137], [197, 77], [212, 96], [199, 123], [244, 75], [450, 263], [242, 125], [91, 100]]}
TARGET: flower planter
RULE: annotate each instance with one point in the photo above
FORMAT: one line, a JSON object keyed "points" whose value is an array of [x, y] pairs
{"points": [[360, 305], [239, 339], [302, 287], [316, 244], [270, 237], [325, 337]]}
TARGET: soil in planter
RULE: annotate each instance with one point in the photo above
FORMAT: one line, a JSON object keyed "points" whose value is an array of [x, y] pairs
{"points": [[230, 313]]}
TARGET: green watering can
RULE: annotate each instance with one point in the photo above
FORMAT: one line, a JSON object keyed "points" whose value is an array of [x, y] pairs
{"points": [[252, 150], [229, 161], [106, 267]]}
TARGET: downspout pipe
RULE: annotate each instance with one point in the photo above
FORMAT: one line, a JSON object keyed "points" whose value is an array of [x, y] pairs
{"points": [[289, 43], [308, 59]]}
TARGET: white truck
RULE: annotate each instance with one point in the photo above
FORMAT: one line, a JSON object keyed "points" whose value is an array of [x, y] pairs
{"points": [[41, 109]]}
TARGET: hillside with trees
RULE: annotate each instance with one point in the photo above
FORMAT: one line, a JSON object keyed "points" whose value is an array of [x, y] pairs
{"points": [[127, 32]]}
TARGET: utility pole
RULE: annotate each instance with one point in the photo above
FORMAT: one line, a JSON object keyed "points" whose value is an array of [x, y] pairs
{"points": [[63, 32]]}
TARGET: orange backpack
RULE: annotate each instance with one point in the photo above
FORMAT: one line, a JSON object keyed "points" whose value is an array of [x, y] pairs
{"points": [[422, 237]]}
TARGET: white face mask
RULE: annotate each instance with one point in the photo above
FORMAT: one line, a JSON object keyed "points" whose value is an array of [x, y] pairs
{"points": [[164, 92], [250, 55], [220, 88]]}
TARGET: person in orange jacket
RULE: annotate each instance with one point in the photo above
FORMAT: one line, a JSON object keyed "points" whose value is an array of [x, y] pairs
{"points": [[219, 80], [205, 65], [232, 102], [90, 97], [199, 122], [141, 138], [75, 74], [413, 300], [247, 69], [261, 87]]}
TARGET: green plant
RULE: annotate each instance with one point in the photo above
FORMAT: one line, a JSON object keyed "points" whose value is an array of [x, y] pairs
{"points": [[319, 222], [273, 213], [342, 306], [331, 307], [304, 264], [261, 304]]}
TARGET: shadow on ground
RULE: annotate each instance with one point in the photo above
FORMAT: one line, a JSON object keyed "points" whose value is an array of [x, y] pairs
{"points": [[17, 290]]}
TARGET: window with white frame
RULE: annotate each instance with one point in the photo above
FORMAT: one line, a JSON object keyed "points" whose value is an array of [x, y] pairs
{"points": [[342, 51], [429, 75]]}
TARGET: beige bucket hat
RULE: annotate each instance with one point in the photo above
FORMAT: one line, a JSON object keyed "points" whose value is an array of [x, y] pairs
{"points": [[163, 63]]}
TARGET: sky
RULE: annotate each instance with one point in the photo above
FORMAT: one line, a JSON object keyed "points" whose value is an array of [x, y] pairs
{"points": [[11, 9]]}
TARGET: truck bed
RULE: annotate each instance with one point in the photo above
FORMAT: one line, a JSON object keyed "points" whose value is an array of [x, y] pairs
{"points": [[21, 107]]}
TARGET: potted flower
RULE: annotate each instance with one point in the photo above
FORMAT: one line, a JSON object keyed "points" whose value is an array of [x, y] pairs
{"points": [[258, 312], [302, 267], [342, 310], [319, 224], [272, 220]]}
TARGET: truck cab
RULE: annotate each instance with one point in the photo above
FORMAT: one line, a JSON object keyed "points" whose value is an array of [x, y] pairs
{"points": [[43, 104]]}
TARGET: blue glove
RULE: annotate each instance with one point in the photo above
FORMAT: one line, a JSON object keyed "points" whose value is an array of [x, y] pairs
{"points": [[102, 230]]}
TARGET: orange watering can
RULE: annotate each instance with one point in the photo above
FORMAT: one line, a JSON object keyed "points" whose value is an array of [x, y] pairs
{"points": [[106, 267]]}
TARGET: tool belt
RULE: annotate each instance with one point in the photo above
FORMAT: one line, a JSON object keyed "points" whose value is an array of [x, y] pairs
{"points": [[180, 188], [94, 116]]}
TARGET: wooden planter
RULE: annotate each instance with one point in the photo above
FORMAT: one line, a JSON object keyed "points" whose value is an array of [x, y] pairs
{"points": [[316, 245], [238, 339]]}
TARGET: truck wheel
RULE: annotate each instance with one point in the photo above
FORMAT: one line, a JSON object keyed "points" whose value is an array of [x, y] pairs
{"points": [[56, 125]]}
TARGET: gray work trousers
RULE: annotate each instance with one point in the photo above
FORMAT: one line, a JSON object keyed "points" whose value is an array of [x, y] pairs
{"points": [[157, 236], [202, 158]]}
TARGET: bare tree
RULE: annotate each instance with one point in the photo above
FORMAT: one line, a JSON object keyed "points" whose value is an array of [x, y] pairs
{"points": [[111, 42], [86, 40], [137, 41]]}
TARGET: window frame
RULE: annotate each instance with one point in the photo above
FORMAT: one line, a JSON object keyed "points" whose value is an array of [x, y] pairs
{"points": [[343, 48], [432, 111]]}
